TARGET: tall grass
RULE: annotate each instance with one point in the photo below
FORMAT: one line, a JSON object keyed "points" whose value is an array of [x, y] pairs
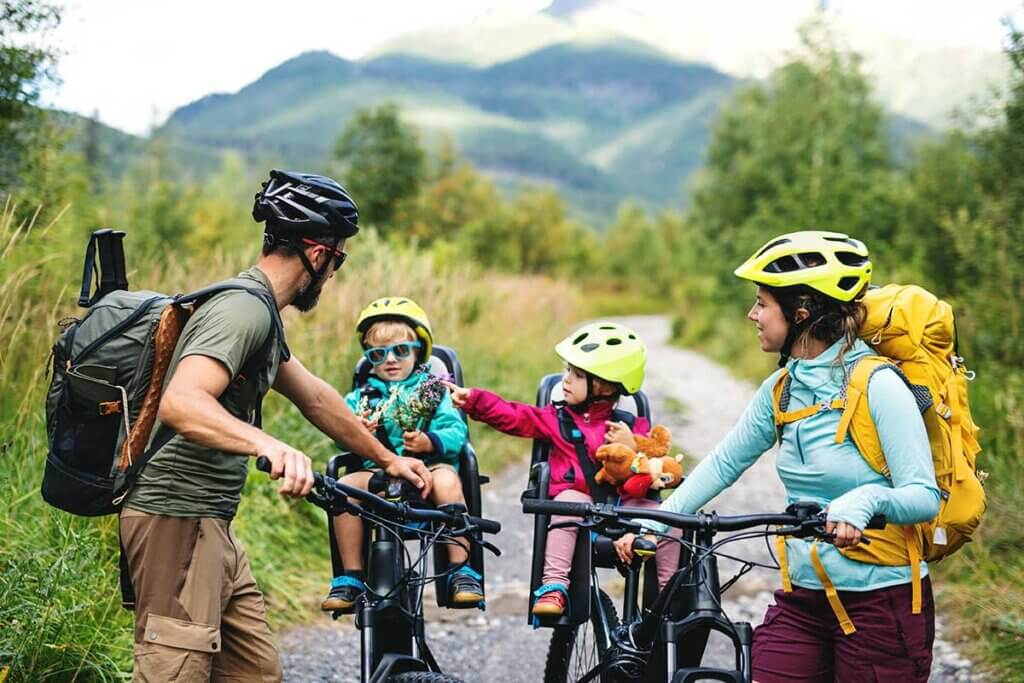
{"points": [[60, 617]]}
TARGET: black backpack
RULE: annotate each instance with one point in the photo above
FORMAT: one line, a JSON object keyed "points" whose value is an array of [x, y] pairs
{"points": [[109, 369]]}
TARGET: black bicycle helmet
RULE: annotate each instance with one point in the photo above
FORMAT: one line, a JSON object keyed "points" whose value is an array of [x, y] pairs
{"points": [[305, 204]]}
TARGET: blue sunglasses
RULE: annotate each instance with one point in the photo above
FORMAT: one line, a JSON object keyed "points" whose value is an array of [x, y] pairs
{"points": [[378, 354]]}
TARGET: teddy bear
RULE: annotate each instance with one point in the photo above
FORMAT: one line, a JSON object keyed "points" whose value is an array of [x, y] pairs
{"points": [[636, 472]]}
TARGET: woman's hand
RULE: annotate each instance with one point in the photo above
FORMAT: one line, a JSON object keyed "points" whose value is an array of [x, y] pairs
{"points": [[846, 535], [459, 394], [416, 442], [619, 432]]}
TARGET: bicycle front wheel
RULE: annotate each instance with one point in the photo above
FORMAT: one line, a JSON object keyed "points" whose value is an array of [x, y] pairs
{"points": [[422, 677], [576, 650]]}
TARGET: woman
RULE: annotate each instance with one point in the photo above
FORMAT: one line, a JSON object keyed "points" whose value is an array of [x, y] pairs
{"points": [[808, 311]]}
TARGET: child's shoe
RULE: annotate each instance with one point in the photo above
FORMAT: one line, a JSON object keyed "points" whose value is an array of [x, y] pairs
{"points": [[464, 587], [552, 599], [345, 591]]}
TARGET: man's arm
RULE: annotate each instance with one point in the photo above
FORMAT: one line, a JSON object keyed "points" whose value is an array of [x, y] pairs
{"points": [[324, 407], [190, 407]]}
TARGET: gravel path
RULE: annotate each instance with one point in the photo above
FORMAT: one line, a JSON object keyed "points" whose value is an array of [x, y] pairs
{"points": [[699, 401]]}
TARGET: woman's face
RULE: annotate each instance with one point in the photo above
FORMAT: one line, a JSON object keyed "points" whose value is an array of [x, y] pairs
{"points": [[772, 327]]}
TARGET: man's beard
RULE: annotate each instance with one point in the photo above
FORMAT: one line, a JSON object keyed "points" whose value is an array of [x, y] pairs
{"points": [[307, 298]]}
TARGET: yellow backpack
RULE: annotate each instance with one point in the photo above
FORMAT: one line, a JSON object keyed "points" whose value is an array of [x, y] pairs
{"points": [[912, 331]]}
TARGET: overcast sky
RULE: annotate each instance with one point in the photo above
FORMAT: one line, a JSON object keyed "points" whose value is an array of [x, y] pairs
{"points": [[135, 61]]}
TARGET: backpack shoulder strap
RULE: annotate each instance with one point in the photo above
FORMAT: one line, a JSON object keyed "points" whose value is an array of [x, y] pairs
{"points": [[856, 417], [570, 433], [237, 283], [780, 404]]}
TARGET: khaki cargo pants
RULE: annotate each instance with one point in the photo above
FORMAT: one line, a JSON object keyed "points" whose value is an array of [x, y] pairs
{"points": [[198, 613]]}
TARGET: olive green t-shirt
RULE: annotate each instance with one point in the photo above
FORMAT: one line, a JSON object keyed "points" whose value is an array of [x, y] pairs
{"points": [[184, 479]]}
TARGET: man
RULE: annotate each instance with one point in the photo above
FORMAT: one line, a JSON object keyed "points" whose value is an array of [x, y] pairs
{"points": [[199, 614]]}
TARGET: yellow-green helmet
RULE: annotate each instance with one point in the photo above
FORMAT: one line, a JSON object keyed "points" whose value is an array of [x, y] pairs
{"points": [[402, 309], [609, 351], [830, 262]]}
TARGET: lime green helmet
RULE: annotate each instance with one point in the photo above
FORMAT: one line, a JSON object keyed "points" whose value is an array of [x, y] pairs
{"points": [[403, 310], [830, 262], [608, 351]]}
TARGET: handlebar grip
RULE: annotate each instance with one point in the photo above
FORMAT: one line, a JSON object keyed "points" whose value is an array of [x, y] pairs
{"points": [[877, 522], [550, 507], [488, 526], [263, 464], [644, 547]]}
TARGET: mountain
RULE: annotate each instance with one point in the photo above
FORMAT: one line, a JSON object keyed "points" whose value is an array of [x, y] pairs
{"points": [[925, 62], [598, 120]]}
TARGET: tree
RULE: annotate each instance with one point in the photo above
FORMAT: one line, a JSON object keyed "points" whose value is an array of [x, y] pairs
{"points": [[382, 163], [806, 150], [24, 68]]}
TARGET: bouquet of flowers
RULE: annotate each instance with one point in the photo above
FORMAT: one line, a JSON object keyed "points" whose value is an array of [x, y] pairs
{"points": [[413, 409], [421, 404]]}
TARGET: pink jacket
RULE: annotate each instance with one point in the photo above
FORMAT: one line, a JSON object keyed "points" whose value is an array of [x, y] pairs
{"points": [[531, 422]]}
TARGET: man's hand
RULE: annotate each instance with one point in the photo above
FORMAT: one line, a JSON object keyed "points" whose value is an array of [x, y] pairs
{"points": [[416, 442], [459, 394], [847, 535], [293, 465], [619, 432], [412, 470]]}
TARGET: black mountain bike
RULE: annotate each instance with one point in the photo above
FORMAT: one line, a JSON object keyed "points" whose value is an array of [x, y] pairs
{"points": [[389, 617], [666, 640]]}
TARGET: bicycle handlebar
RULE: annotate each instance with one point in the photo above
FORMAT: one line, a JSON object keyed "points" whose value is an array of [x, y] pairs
{"points": [[386, 508], [798, 515]]}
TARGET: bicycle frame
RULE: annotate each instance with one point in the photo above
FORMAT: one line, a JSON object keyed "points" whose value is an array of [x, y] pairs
{"points": [[669, 640], [390, 616]]}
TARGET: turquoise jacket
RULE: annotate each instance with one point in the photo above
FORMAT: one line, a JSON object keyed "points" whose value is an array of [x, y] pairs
{"points": [[446, 430], [815, 468]]}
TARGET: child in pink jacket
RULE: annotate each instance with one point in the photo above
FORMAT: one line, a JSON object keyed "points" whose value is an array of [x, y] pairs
{"points": [[603, 362]]}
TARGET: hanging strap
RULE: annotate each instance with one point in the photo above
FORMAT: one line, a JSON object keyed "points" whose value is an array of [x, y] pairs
{"points": [[830, 593], [914, 552], [108, 245], [780, 550]]}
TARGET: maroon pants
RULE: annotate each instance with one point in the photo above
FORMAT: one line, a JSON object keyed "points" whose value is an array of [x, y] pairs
{"points": [[800, 640]]}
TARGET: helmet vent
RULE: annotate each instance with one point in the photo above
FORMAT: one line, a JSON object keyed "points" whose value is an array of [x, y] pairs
{"points": [[614, 341], [580, 338], [632, 336], [847, 283], [850, 259], [607, 327], [590, 347], [771, 245]]}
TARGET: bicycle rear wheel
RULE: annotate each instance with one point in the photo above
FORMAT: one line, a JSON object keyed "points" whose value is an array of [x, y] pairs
{"points": [[575, 650]]}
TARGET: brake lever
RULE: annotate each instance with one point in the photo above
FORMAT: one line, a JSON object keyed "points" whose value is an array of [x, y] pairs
{"points": [[490, 546], [583, 524]]}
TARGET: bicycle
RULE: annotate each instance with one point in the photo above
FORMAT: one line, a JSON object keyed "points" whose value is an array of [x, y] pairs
{"points": [[389, 617], [666, 640]]}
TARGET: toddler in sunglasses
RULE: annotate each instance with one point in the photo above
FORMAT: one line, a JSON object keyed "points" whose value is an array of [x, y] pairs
{"points": [[396, 339]]}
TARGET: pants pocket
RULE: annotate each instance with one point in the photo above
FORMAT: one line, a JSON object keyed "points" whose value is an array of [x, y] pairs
{"points": [[174, 649]]}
